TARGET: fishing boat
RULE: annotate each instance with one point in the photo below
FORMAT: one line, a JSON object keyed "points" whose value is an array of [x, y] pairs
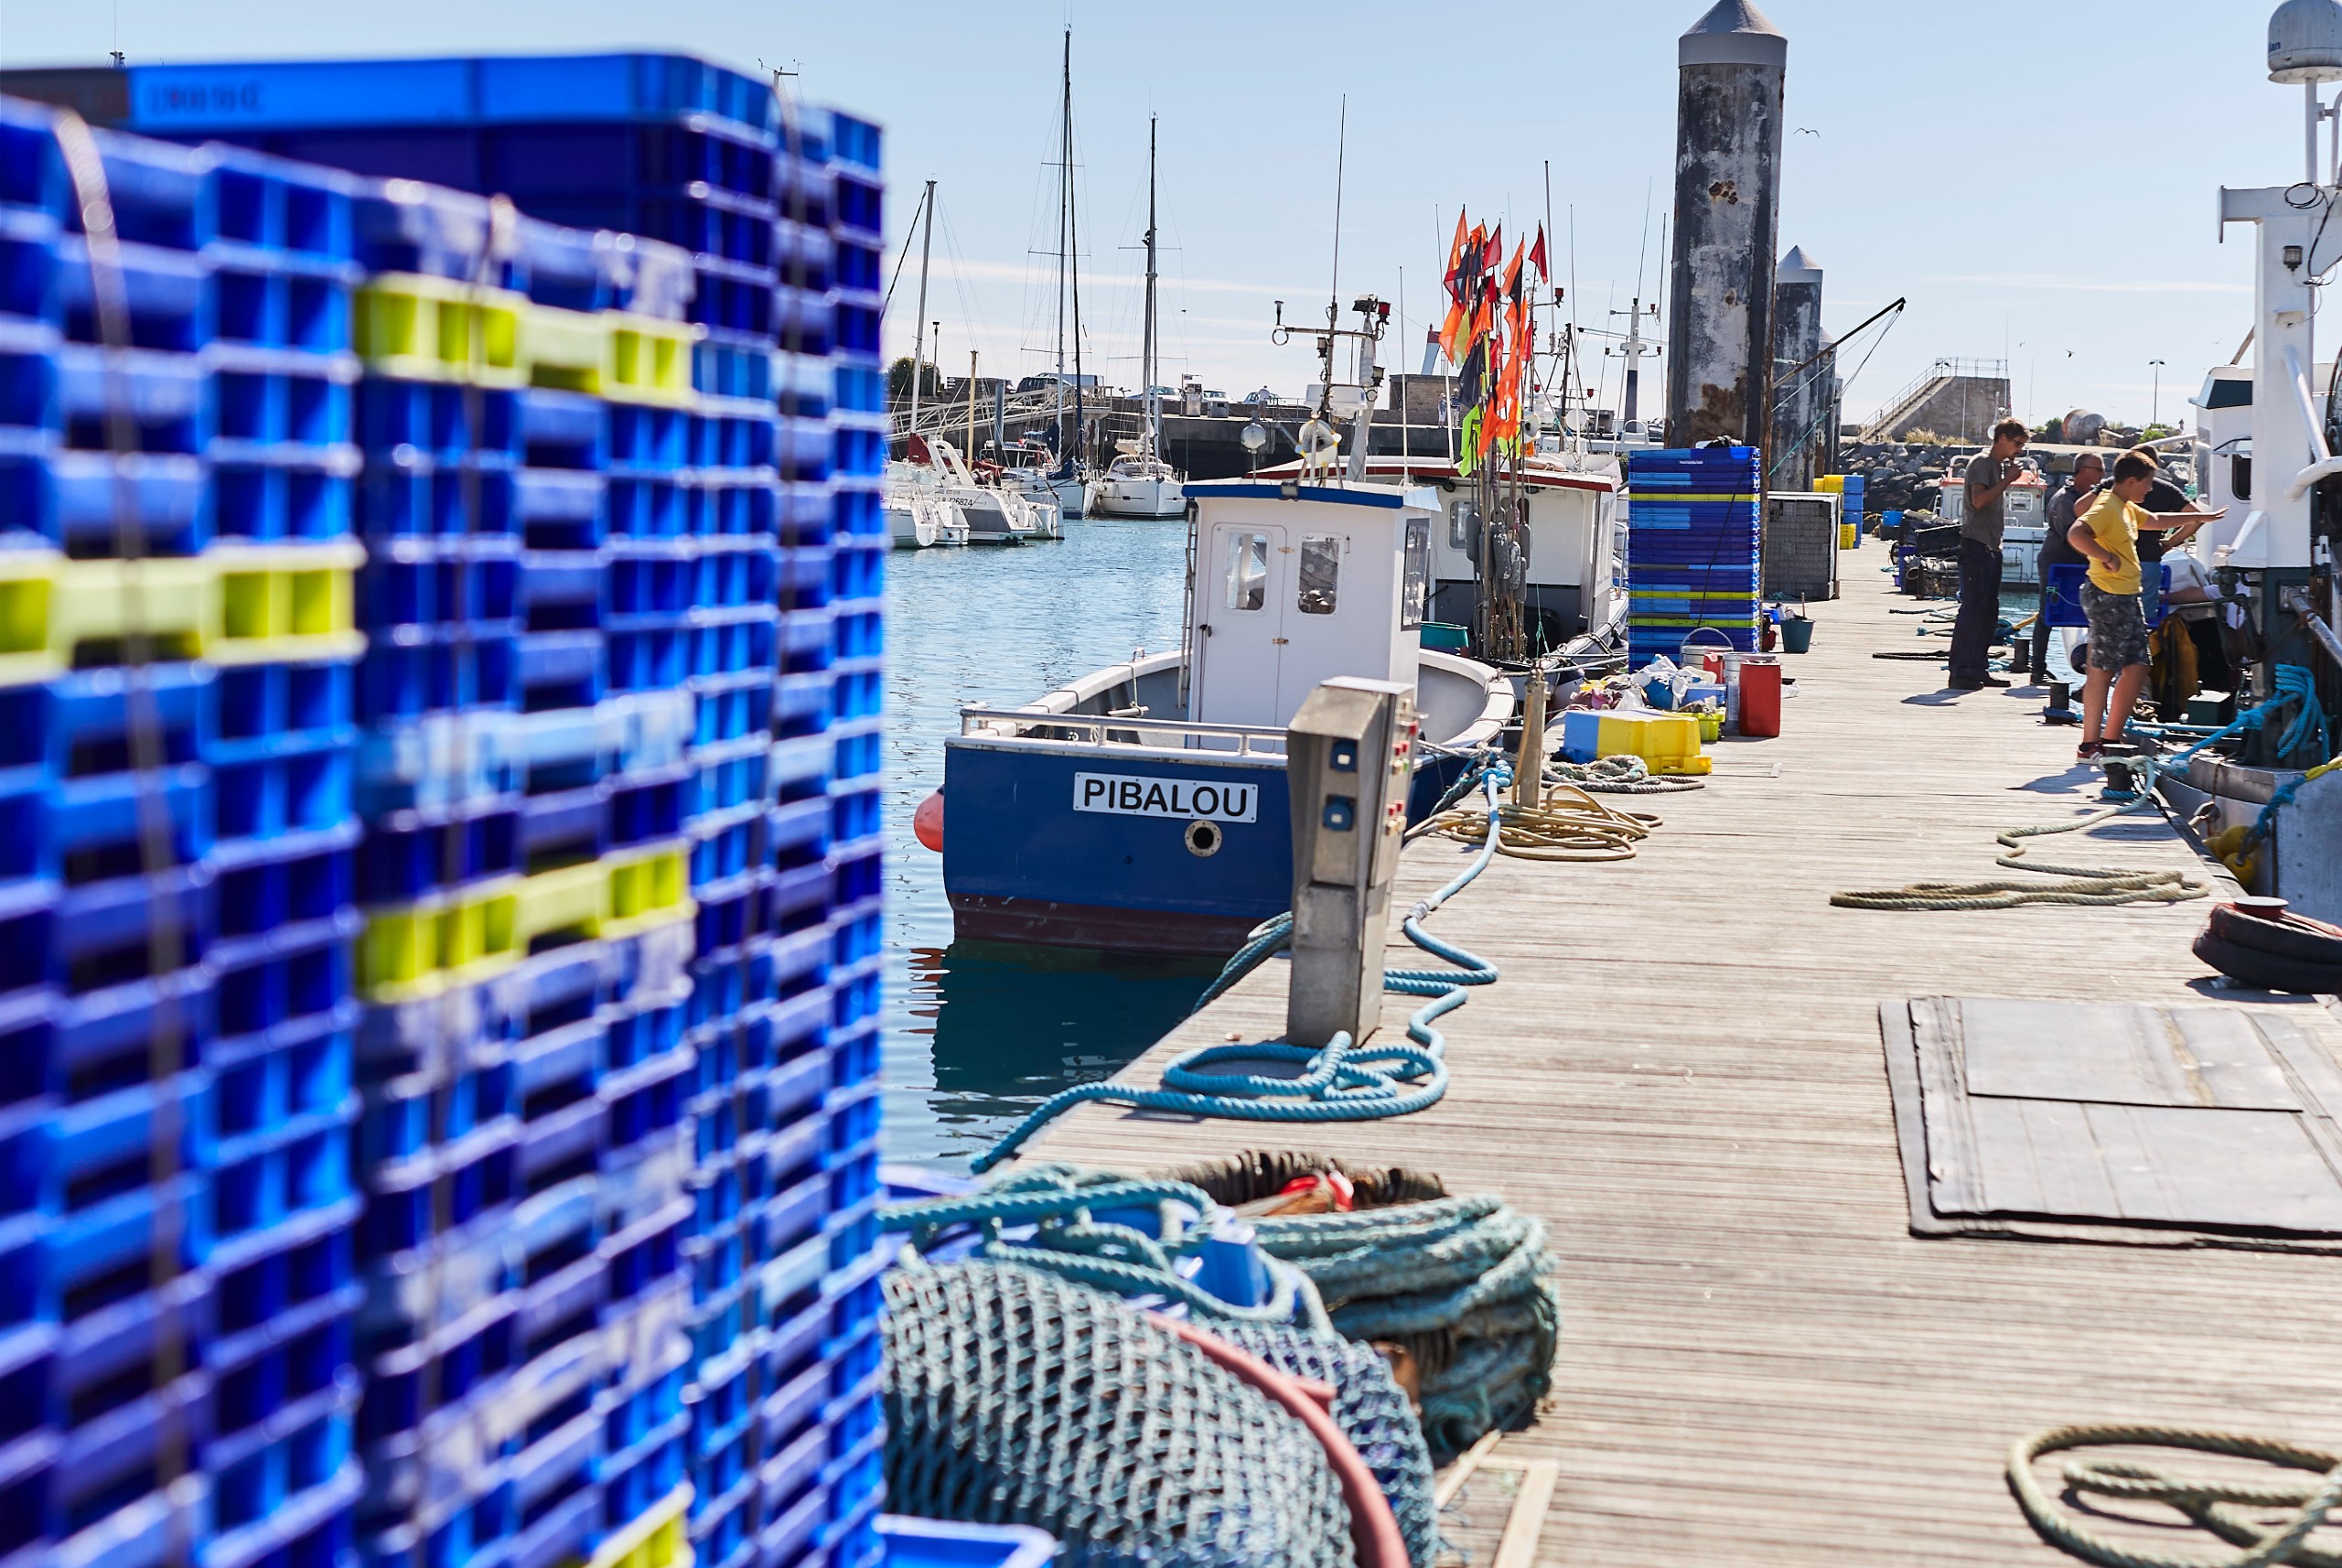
{"points": [[1143, 808], [1138, 484]]}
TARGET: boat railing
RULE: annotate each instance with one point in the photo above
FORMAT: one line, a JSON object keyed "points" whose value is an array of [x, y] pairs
{"points": [[1125, 726]]}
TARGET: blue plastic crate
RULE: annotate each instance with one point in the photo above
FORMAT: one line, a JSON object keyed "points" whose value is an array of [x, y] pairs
{"points": [[933, 1543], [71, 499], [558, 509], [411, 671], [440, 422], [407, 494], [409, 853], [564, 430]]}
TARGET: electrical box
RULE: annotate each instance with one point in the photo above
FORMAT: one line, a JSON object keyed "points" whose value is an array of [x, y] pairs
{"points": [[1349, 759]]}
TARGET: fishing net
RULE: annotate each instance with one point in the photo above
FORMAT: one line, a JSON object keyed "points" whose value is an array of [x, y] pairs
{"points": [[1015, 1397], [1372, 1412]]}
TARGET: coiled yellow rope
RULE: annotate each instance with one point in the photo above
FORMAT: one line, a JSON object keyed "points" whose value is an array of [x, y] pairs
{"points": [[1571, 825], [2213, 1504], [2082, 884]]}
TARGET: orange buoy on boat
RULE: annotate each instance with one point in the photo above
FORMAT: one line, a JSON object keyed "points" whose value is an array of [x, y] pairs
{"points": [[927, 823]]}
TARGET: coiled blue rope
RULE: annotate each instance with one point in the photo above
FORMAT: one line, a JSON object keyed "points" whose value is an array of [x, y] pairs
{"points": [[1340, 1081]]}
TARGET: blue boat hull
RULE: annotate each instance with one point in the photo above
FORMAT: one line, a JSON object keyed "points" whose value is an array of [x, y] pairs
{"points": [[1022, 864]]}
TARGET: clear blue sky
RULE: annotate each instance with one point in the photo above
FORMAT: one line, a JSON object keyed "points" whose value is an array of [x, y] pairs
{"points": [[2038, 178]]}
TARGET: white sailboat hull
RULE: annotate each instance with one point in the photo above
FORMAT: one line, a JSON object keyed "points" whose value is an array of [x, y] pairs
{"points": [[1144, 498]]}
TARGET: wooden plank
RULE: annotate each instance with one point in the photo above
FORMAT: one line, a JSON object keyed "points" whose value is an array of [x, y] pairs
{"points": [[1681, 1072], [1955, 1168], [1526, 1521]]}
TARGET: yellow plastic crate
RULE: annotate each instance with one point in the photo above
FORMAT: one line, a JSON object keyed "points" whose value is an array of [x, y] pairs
{"points": [[427, 328], [655, 1538], [1668, 743], [1831, 484], [279, 604], [451, 938], [234, 604], [612, 354], [624, 892]]}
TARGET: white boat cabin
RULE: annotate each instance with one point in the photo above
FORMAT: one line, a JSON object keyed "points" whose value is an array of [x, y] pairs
{"points": [[1294, 583], [1573, 584]]}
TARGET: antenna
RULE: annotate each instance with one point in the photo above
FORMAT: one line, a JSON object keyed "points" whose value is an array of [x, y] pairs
{"points": [[1341, 157]]}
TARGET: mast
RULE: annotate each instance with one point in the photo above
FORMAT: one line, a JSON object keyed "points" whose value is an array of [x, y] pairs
{"points": [[1065, 205], [1070, 457], [919, 331], [1146, 354]]}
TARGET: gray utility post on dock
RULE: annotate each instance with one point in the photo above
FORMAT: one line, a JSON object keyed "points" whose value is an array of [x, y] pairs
{"points": [[1803, 379], [1727, 225], [1681, 1072]]}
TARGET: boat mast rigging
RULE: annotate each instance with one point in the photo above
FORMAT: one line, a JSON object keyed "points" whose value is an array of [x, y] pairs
{"points": [[1146, 354], [919, 329]]}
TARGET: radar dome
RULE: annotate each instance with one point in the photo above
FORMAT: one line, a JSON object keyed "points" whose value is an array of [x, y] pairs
{"points": [[2305, 41]]}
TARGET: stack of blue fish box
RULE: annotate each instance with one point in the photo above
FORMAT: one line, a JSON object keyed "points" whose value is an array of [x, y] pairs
{"points": [[1694, 537], [608, 664], [178, 1210]]}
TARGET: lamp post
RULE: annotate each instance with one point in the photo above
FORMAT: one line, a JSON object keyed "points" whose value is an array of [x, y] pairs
{"points": [[2155, 407]]}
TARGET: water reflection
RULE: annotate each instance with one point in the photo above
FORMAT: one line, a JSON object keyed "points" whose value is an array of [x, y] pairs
{"points": [[1008, 1027]]}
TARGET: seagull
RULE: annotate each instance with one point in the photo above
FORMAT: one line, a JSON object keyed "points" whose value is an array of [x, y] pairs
{"points": [[1807, 130]]}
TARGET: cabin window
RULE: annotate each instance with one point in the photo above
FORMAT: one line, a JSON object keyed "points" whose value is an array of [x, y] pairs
{"points": [[1461, 517], [2240, 474], [1247, 571], [1321, 573], [1414, 590]]}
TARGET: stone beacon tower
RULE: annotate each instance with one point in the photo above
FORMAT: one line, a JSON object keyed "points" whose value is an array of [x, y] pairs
{"points": [[1803, 379], [1727, 221]]}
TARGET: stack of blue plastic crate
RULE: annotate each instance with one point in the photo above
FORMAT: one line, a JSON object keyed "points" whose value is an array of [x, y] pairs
{"points": [[1693, 542], [176, 745], [527, 922], [693, 582]]}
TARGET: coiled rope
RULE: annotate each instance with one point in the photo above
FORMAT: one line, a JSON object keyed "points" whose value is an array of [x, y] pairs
{"points": [[1578, 828], [2081, 883], [1340, 1081], [1618, 775], [1070, 1241], [2211, 1504], [2294, 688], [1462, 1282]]}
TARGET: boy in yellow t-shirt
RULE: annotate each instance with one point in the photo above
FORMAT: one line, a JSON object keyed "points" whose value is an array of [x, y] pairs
{"points": [[2107, 534]]}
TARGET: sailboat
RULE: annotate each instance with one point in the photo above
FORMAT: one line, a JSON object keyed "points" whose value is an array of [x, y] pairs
{"points": [[920, 514], [1056, 475], [1139, 484]]}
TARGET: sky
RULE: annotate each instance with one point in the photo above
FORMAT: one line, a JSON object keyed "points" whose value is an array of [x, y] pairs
{"points": [[2038, 178]]}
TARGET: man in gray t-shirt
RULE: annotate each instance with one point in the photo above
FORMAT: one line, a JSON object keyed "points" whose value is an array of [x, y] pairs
{"points": [[1990, 473]]}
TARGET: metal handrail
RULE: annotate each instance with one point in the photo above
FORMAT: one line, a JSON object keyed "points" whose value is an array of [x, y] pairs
{"points": [[1251, 740]]}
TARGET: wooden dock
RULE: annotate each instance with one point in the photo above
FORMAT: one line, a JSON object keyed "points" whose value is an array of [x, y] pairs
{"points": [[1680, 1071]]}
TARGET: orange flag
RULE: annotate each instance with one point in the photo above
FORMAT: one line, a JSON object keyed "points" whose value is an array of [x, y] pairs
{"points": [[1512, 274], [1448, 331]]}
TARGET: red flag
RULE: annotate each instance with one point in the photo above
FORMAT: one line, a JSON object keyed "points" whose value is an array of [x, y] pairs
{"points": [[1494, 253], [1537, 255]]}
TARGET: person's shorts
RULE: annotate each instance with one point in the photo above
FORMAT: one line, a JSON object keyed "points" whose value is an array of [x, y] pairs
{"points": [[2118, 628]]}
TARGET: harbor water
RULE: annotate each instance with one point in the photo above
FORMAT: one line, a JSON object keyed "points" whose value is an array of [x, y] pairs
{"points": [[978, 1034]]}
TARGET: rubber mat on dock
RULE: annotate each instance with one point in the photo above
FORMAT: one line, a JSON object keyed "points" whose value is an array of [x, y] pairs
{"points": [[2147, 1125]]}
